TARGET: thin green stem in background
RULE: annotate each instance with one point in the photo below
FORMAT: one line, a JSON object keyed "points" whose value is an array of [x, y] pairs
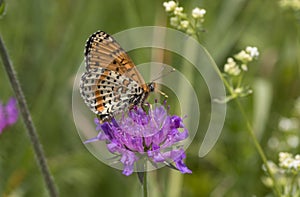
{"points": [[145, 186], [37, 147], [251, 132]]}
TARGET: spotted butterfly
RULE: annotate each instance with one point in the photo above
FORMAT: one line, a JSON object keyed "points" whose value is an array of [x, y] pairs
{"points": [[111, 83]]}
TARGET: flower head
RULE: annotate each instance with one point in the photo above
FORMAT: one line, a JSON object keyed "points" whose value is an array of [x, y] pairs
{"points": [[252, 51], [243, 56], [184, 24], [170, 6], [174, 21], [178, 11], [231, 67], [8, 114], [198, 13], [287, 161], [154, 135], [247, 55]]}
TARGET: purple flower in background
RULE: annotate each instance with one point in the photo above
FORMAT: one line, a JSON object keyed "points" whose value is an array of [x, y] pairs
{"points": [[154, 134], [8, 114]]}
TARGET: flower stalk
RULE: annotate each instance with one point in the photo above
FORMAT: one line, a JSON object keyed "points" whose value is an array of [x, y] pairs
{"points": [[24, 111], [145, 185]]}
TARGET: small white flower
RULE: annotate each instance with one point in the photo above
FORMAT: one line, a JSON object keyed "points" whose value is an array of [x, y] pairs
{"points": [[290, 4], [230, 60], [284, 155], [170, 6], [184, 24], [174, 21], [249, 91], [243, 57], [295, 164], [285, 159], [288, 124], [178, 11], [244, 67], [238, 90], [198, 13], [231, 67], [190, 31], [252, 51], [293, 141], [273, 142]]}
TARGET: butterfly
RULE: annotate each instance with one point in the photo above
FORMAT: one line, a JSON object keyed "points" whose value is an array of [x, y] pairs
{"points": [[111, 83]]}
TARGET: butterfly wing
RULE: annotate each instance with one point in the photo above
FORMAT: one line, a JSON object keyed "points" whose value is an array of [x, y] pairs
{"points": [[108, 96], [103, 51], [112, 82]]}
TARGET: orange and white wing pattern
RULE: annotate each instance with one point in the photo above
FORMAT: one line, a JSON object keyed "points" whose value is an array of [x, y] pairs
{"points": [[111, 82]]}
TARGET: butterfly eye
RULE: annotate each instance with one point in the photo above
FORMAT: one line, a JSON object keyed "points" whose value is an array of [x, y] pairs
{"points": [[151, 86]]}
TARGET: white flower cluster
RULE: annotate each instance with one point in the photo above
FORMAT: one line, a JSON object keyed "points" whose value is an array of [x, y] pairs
{"points": [[288, 162], [170, 6], [252, 51], [288, 124], [231, 67], [288, 138], [286, 174], [290, 4], [244, 56], [198, 13], [247, 55], [234, 69], [179, 19]]}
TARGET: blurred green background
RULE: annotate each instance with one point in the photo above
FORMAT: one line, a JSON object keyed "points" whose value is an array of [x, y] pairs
{"points": [[46, 39]]}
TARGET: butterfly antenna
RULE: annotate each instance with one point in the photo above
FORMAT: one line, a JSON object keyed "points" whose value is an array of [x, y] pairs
{"points": [[159, 73], [162, 75]]}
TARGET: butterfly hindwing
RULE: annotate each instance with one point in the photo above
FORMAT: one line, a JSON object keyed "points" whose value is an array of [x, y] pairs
{"points": [[106, 91]]}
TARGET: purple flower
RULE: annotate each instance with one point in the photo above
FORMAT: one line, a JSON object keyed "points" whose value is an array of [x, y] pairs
{"points": [[154, 134], [8, 114]]}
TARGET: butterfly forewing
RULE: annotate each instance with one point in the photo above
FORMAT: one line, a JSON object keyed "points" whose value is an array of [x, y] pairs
{"points": [[103, 51]]}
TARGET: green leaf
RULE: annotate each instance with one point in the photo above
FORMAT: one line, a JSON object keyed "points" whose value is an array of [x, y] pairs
{"points": [[263, 97]]}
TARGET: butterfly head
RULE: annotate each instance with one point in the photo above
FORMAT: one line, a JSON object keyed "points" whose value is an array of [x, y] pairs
{"points": [[151, 86]]}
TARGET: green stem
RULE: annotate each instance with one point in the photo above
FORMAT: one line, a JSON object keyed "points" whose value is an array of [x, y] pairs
{"points": [[294, 179], [37, 146], [240, 80], [145, 185]]}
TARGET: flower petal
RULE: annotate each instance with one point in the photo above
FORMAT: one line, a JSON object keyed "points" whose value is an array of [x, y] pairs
{"points": [[11, 111], [128, 159], [180, 165], [2, 118]]}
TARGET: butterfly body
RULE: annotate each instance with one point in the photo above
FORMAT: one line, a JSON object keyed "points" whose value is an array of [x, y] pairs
{"points": [[111, 83]]}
